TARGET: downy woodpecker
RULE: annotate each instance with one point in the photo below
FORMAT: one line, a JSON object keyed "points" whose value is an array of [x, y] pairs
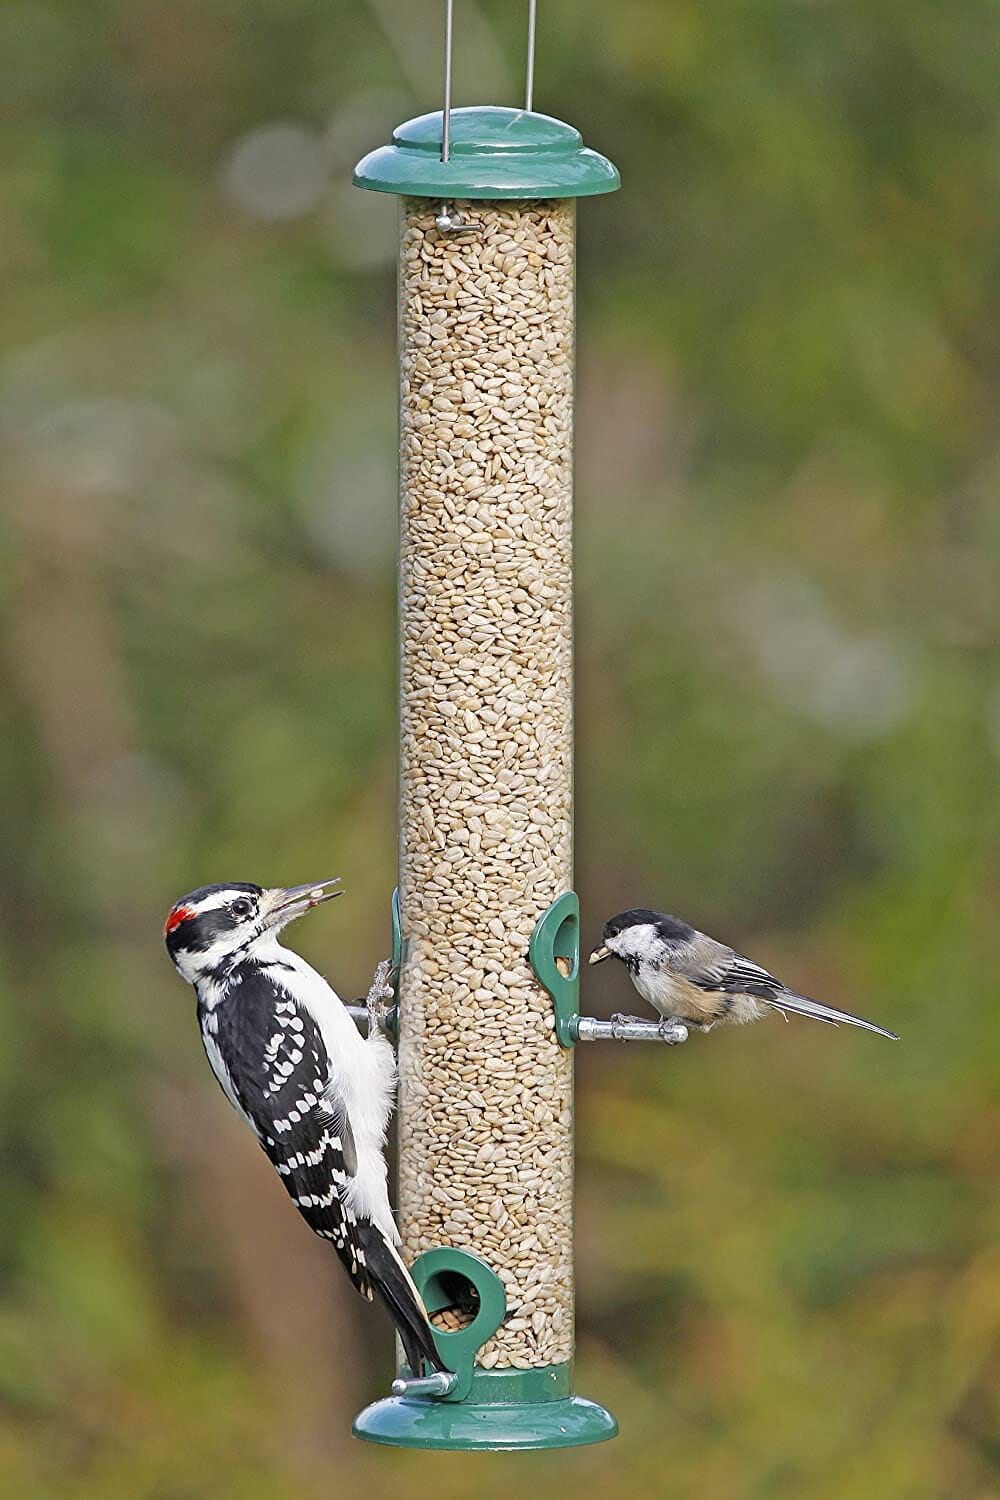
{"points": [[316, 1094], [688, 976]]}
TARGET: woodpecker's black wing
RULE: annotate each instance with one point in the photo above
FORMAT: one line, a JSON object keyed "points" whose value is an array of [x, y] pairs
{"points": [[279, 1072], [727, 972]]}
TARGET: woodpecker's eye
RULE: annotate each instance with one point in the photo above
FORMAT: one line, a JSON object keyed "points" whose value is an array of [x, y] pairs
{"points": [[241, 908]]}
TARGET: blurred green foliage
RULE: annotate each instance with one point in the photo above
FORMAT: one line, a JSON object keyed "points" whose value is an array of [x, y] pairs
{"points": [[789, 724]]}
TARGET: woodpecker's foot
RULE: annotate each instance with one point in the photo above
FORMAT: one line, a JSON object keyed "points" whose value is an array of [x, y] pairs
{"points": [[617, 1022], [674, 1031], [380, 997]]}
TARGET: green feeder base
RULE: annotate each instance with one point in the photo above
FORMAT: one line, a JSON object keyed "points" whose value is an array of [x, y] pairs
{"points": [[505, 1410]]}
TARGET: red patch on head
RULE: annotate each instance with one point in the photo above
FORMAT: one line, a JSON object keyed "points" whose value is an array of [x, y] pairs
{"points": [[177, 916]]}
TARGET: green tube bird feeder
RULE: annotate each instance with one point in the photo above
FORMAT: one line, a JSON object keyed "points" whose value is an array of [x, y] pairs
{"points": [[487, 922]]}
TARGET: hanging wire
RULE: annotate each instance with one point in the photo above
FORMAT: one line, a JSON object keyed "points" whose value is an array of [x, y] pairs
{"points": [[449, 38], [529, 72], [447, 221], [449, 30]]}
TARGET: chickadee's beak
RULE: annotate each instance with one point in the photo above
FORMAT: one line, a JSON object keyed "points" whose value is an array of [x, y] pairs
{"points": [[599, 955], [284, 904]]}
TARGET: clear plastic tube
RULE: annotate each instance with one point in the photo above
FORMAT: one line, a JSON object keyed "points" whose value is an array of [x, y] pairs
{"points": [[486, 357]]}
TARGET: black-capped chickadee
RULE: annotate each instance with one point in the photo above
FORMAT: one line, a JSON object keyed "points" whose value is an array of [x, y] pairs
{"points": [[689, 977]]}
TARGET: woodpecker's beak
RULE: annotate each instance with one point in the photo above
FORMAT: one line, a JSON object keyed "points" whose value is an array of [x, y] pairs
{"points": [[599, 955], [284, 904]]}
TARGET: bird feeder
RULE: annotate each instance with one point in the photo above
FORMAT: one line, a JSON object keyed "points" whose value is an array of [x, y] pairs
{"points": [[487, 924]]}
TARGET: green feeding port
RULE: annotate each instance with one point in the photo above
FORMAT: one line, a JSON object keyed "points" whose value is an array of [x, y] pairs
{"points": [[447, 1278], [554, 952], [495, 152]]}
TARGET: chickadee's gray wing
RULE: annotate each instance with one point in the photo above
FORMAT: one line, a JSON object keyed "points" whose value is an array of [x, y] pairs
{"points": [[716, 968]]}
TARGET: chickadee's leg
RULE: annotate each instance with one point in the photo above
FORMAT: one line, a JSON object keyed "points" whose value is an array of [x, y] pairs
{"points": [[380, 997], [669, 1022], [617, 1021]]}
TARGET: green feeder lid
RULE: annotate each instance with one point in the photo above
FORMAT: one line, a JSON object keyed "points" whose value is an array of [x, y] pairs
{"points": [[494, 153]]}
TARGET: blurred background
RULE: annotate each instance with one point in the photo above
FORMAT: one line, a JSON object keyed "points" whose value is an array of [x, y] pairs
{"points": [[789, 722]]}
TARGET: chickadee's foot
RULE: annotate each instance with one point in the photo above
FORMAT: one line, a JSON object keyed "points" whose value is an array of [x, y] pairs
{"points": [[380, 996], [617, 1022], [673, 1031]]}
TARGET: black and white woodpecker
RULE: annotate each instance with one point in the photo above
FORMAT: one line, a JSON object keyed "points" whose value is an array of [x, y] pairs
{"points": [[690, 977], [315, 1093]]}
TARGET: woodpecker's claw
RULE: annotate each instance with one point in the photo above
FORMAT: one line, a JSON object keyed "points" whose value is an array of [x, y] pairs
{"points": [[381, 987], [381, 996]]}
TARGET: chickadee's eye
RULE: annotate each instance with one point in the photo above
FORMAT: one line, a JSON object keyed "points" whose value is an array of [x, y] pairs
{"points": [[241, 908]]}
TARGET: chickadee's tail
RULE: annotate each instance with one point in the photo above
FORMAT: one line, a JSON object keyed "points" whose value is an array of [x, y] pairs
{"points": [[394, 1285], [801, 1005]]}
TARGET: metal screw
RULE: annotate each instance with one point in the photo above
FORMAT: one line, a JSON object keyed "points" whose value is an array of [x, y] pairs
{"points": [[441, 1383], [450, 221]]}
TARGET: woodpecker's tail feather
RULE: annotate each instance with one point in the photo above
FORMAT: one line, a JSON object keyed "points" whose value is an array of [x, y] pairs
{"points": [[394, 1284], [801, 1005]]}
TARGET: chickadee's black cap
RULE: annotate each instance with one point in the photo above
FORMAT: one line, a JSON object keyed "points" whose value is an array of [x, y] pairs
{"points": [[671, 928]]}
